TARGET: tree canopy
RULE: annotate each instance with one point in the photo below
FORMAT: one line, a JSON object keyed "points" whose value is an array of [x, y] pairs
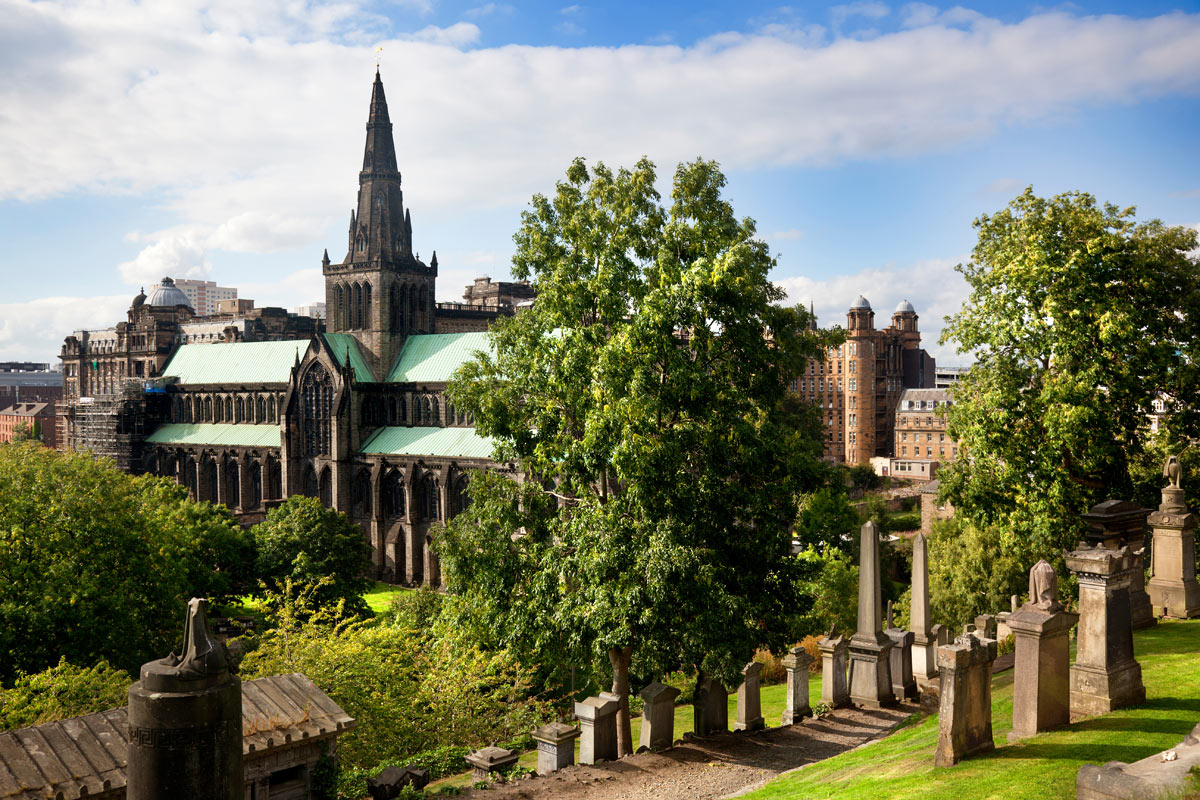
{"points": [[1079, 318], [644, 401]]}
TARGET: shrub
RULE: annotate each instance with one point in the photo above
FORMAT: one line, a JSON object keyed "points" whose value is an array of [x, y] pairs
{"points": [[773, 670], [811, 645], [61, 692], [832, 589], [974, 571], [685, 683]]}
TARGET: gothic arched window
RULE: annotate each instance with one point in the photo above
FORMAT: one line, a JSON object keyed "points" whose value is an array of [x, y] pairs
{"points": [[337, 320], [271, 417], [427, 497], [459, 499], [260, 414], [208, 409], [393, 494], [316, 399], [361, 494], [355, 306], [366, 317]]}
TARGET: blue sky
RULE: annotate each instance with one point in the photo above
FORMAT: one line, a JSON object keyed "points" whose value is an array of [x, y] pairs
{"points": [[221, 138]]}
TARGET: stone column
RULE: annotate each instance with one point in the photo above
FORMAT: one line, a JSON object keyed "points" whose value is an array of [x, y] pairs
{"points": [[222, 482], [965, 708], [834, 692], [598, 742], [1105, 675], [1115, 524], [185, 722], [924, 647], [796, 705], [749, 699], [904, 686], [245, 495], [870, 675], [555, 746], [1173, 589], [1041, 628], [658, 716], [710, 709]]}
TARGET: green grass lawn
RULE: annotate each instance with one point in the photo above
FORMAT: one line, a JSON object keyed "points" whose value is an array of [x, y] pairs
{"points": [[379, 596], [1045, 766]]}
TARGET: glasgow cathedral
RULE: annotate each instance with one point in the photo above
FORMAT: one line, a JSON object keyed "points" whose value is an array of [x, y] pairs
{"points": [[249, 407]]}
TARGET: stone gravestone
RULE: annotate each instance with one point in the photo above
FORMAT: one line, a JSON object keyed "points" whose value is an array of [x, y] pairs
{"points": [[556, 746], [985, 626], [965, 708], [1105, 675], [870, 675], [658, 716], [749, 699], [1042, 629], [710, 710], [489, 760], [1115, 524], [598, 738], [834, 691], [185, 722], [796, 705], [924, 646], [391, 782], [1173, 589], [904, 686]]}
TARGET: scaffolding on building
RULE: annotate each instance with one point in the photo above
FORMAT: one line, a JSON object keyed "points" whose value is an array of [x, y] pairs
{"points": [[113, 426]]}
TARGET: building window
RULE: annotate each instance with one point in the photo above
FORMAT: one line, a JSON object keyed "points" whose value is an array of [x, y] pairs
{"points": [[852, 367], [904, 451], [853, 384], [316, 397]]}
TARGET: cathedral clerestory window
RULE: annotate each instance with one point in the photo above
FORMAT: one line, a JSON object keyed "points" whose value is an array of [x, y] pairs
{"points": [[316, 398]]}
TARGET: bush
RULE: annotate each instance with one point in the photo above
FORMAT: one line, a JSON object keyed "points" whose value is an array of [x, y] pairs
{"points": [[973, 572], [685, 683], [773, 670], [414, 609], [62, 692], [832, 588], [812, 646]]}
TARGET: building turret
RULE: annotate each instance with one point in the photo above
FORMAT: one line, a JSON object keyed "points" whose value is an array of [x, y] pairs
{"points": [[904, 320], [860, 317]]}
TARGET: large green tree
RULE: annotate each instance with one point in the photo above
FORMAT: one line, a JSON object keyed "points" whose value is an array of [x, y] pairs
{"points": [[1079, 317], [644, 401]]}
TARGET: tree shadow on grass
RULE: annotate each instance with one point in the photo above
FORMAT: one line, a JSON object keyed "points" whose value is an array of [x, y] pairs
{"points": [[1091, 753], [1137, 724]]}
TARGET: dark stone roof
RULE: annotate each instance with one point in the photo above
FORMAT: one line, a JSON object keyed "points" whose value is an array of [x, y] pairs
{"points": [[930, 488]]}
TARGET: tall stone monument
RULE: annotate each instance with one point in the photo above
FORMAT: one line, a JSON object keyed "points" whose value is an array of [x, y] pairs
{"points": [[965, 706], [1173, 589], [185, 722], [1041, 628], [834, 691], [1115, 524], [1105, 675], [796, 707], [924, 646], [870, 647]]}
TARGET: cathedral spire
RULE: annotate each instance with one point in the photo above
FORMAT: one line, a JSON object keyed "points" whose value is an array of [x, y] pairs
{"points": [[380, 152]]}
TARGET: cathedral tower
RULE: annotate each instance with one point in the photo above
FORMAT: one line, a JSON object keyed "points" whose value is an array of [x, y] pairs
{"points": [[380, 293]]}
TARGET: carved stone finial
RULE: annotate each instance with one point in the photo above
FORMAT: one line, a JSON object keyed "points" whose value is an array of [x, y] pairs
{"points": [[1172, 471], [1043, 586]]}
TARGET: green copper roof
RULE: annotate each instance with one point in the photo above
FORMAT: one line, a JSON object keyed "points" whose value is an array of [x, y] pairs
{"points": [[237, 362], [433, 357], [338, 344], [217, 434], [445, 442]]}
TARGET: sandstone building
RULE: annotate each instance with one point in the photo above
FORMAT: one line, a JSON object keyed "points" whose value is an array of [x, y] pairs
{"points": [[921, 441]]}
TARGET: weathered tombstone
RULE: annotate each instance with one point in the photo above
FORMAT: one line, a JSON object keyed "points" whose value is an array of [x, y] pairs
{"points": [[710, 709], [555, 746], [796, 707], [749, 699], [658, 716], [1163, 775], [834, 691], [870, 675], [391, 782], [965, 709], [904, 686], [1105, 675], [185, 722], [1014, 603], [490, 760], [985, 626], [1115, 524], [942, 634], [598, 718], [1041, 628], [1173, 589], [924, 646]]}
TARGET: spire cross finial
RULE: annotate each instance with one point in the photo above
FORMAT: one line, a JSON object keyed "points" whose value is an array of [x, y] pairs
{"points": [[378, 57]]}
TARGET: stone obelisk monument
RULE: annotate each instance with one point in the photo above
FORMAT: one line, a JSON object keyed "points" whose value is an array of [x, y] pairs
{"points": [[925, 644], [870, 647]]}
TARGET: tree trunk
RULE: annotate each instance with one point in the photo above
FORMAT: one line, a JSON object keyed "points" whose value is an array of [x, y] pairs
{"points": [[619, 658]]}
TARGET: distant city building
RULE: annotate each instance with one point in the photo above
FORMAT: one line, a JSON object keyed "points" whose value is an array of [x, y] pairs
{"points": [[921, 442], [35, 419], [314, 310], [203, 296], [945, 377], [27, 381], [858, 385], [235, 306]]}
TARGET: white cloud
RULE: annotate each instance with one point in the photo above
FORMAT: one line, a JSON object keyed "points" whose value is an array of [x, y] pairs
{"points": [[572, 9], [35, 330], [789, 234], [487, 9], [460, 34], [176, 255], [299, 288], [1004, 186], [1187, 195], [569, 28]]}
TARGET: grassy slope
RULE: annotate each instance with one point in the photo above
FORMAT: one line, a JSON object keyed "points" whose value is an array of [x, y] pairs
{"points": [[1045, 766], [379, 596]]}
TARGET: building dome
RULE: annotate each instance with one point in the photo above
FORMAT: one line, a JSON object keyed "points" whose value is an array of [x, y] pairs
{"points": [[905, 307], [167, 294], [141, 298], [860, 302]]}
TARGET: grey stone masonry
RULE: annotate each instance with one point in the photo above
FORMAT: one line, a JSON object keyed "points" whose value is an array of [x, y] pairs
{"points": [[658, 716], [796, 705], [749, 699], [904, 685], [555, 746], [710, 709], [834, 691], [870, 673], [185, 722], [965, 706], [598, 739], [1105, 675], [1162, 775], [985, 626], [1173, 589], [1115, 524], [924, 646], [1042, 630], [490, 759]]}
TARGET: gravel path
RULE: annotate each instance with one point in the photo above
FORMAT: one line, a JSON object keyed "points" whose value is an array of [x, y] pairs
{"points": [[712, 767]]}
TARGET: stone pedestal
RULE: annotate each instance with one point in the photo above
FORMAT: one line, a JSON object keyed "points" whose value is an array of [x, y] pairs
{"points": [[1173, 589], [658, 716], [598, 735], [185, 722], [555, 746], [795, 706], [870, 648], [490, 759], [965, 708], [1115, 524], [710, 709], [749, 699], [834, 691], [904, 685], [924, 646], [1041, 628], [1105, 675]]}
